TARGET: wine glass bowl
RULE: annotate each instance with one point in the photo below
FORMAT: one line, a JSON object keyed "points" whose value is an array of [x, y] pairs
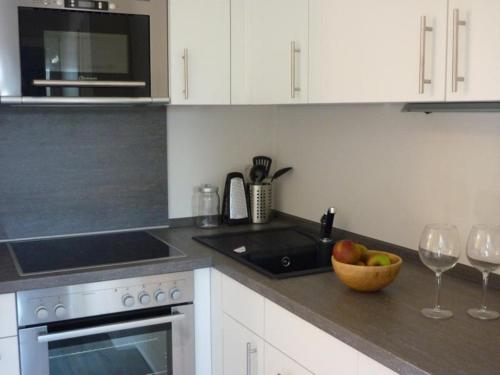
{"points": [[439, 250], [483, 252]]}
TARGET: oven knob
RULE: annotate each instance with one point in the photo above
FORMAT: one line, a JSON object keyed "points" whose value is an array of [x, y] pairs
{"points": [[60, 311], [42, 313], [160, 296], [175, 294], [128, 300], [144, 298]]}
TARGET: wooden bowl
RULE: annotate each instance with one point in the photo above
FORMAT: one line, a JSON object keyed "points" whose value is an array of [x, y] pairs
{"points": [[368, 278]]}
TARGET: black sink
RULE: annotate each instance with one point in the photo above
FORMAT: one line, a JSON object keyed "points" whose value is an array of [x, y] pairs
{"points": [[277, 253]]}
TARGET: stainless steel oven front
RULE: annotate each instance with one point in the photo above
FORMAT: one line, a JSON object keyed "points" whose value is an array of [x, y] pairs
{"points": [[122, 327], [83, 51]]}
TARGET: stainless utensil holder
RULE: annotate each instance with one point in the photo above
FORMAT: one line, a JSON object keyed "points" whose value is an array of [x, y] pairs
{"points": [[261, 200]]}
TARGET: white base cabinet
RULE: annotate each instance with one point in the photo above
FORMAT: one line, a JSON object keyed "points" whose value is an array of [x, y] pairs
{"points": [[315, 350], [8, 320], [9, 356], [277, 363], [9, 352], [252, 336], [367, 366], [243, 349]]}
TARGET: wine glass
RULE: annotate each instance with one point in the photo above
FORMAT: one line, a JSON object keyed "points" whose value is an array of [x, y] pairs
{"points": [[439, 249], [483, 252]]}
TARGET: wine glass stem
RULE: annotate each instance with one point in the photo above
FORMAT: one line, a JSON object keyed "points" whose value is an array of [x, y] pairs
{"points": [[437, 306], [485, 289]]}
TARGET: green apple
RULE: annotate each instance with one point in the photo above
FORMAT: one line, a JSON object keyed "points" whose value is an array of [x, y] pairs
{"points": [[378, 260]]}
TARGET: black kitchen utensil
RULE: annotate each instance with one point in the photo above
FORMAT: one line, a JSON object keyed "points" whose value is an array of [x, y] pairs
{"points": [[265, 161], [257, 174], [280, 173]]}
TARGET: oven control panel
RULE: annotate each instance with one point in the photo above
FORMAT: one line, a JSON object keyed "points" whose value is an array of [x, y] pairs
{"points": [[94, 5], [107, 297], [86, 4]]}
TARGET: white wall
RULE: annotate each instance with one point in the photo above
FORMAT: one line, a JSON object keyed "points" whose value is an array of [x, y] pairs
{"points": [[206, 143], [389, 173]]}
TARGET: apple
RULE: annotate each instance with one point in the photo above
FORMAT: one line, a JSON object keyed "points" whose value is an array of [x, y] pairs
{"points": [[364, 252], [378, 260], [346, 251]]}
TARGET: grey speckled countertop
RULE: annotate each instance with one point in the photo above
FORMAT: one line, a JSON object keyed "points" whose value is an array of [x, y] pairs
{"points": [[386, 326]]}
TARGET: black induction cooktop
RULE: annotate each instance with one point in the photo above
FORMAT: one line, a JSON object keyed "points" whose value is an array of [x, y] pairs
{"points": [[66, 254]]}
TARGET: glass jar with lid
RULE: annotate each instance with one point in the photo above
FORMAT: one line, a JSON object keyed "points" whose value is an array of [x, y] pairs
{"points": [[208, 206]]}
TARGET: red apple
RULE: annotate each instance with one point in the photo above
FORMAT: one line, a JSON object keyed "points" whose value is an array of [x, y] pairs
{"points": [[346, 251]]}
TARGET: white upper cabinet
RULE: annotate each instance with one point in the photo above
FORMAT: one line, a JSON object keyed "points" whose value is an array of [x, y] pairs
{"points": [[199, 51], [473, 53], [269, 51], [378, 51]]}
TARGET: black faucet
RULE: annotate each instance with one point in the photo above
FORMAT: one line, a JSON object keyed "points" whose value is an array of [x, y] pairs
{"points": [[327, 225], [325, 242]]}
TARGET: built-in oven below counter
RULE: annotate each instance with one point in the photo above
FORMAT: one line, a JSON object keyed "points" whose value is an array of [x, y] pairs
{"points": [[137, 326]]}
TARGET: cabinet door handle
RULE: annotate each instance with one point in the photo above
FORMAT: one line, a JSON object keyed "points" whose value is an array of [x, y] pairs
{"points": [[250, 351], [186, 74], [293, 70], [454, 60], [424, 29]]}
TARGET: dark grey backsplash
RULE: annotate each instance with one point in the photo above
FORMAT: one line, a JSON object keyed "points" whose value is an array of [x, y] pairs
{"points": [[79, 170]]}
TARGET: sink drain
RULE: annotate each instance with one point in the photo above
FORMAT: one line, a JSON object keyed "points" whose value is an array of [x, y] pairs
{"points": [[286, 261]]}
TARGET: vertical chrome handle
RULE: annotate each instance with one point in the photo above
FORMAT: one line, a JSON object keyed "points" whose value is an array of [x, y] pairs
{"points": [[424, 29], [293, 73], [186, 74], [250, 351], [454, 60]]}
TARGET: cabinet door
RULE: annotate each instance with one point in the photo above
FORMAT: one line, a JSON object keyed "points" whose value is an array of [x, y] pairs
{"points": [[199, 51], [269, 49], [367, 366], [8, 320], [276, 363], [9, 356], [473, 53], [377, 51], [243, 304], [313, 348], [243, 350]]}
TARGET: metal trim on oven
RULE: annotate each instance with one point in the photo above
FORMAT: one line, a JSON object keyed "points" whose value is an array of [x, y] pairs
{"points": [[33, 100], [82, 83]]}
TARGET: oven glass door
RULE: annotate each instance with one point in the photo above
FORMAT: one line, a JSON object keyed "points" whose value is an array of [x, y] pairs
{"points": [[84, 54], [145, 343], [137, 351]]}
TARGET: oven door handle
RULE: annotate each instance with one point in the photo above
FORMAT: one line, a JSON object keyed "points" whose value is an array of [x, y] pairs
{"points": [[84, 83], [107, 328]]}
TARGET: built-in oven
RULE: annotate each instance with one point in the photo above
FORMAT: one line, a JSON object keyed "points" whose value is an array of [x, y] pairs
{"points": [[83, 51], [140, 326]]}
